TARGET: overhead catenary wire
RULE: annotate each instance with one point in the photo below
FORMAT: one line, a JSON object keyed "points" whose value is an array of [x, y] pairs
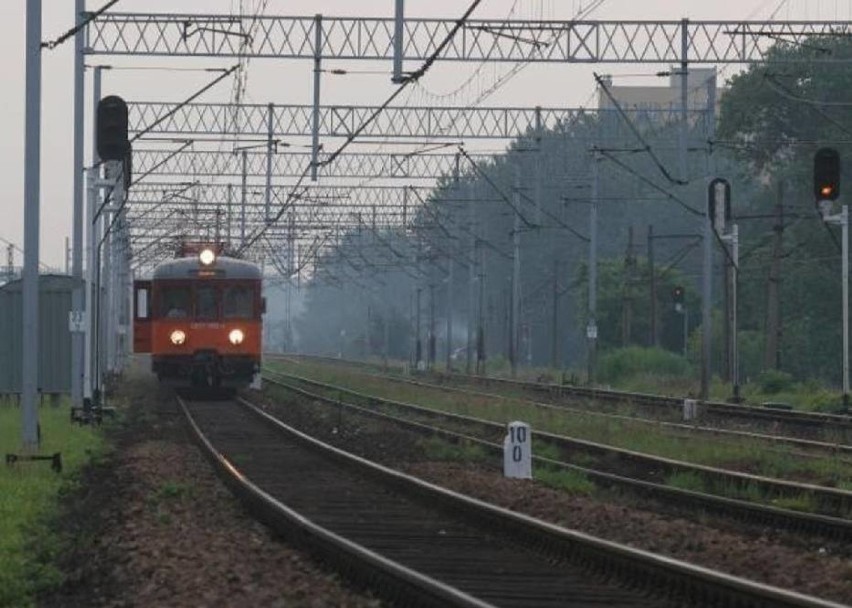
{"points": [[52, 44], [645, 145], [647, 181]]}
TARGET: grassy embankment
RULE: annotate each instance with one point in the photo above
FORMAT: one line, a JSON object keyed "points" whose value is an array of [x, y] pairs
{"points": [[30, 496]]}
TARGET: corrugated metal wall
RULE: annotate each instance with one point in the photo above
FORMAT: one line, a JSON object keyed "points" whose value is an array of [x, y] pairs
{"points": [[55, 338]]}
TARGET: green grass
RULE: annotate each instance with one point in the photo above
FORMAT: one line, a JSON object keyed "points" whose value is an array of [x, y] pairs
{"points": [[571, 482], [686, 480], [30, 495], [441, 449]]}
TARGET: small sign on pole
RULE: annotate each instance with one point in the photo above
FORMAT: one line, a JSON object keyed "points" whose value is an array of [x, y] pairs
{"points": [[517, 451], [77, 321], [592, 331]]}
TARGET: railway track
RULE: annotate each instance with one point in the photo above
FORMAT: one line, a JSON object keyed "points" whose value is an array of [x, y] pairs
{"points": [[806, 448], [420, 545], [832, 429], [645, 482]]}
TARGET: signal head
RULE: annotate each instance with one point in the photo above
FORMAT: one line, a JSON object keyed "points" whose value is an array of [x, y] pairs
{"points": [[111, 137], [826, 174]]}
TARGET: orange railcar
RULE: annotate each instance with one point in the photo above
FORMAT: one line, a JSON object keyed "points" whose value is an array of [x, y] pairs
{"points": [[200, 318]]}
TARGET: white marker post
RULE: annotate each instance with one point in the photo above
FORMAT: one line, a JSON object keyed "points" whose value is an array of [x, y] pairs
{"points": [[517, 451], [690, 409]]}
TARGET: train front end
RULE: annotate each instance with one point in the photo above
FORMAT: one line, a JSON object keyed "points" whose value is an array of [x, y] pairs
{"points": [[200, 318]]}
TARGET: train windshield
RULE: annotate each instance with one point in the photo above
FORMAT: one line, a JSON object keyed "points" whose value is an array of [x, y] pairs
{"points": [[174, 302], [238, 302], [205, 303]]}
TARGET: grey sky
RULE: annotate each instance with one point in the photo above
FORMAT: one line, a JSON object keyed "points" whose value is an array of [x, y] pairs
{"points": [[289, 82]]}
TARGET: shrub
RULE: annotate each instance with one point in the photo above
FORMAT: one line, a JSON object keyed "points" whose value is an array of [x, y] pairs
{"points": [[623, 363], [773, 381]]}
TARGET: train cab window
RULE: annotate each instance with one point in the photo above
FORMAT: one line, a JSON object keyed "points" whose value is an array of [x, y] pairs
{"points": [[205, 303], [238, 302], [174, 302]]}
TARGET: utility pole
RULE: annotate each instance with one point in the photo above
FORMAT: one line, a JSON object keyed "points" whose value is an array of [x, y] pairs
{"points": [[270, 150], [243, 195], [771, 359], [627, 293], [480, 317], [735, 279], [78, 339], [398, 41], [554, 345], [315, 145], [432, 341], [471, 292], [707, 289], [592, 327], [514, 353], [32, 203], [652, 277], [450, 278]]}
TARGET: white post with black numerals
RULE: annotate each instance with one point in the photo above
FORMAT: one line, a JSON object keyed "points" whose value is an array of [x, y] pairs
{"points": [[517, 451]]}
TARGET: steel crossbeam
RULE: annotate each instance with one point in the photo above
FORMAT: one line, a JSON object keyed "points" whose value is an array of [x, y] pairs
{"points": [[226, 164], [585, 41], [217, 120], [218, 194]]}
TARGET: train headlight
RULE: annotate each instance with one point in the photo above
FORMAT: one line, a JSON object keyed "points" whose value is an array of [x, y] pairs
{"points": [[178, 337], [207, 257], [236, 336]]}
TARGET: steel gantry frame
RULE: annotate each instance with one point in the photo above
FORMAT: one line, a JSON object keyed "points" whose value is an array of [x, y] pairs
{"points": [[161, 162], [581, 41], [215, 120]]}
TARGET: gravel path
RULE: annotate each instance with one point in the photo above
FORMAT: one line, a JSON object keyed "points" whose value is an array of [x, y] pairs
{"points": [[153, 526]]}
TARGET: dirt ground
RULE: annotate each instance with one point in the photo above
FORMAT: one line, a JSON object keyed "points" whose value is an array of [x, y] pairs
{"points": [[152, 525]]}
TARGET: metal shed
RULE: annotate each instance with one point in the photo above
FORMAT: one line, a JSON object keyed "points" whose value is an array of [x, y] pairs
{"points": [[54, 335]]}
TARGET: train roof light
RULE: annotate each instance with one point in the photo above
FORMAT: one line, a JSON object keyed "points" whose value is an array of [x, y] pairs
{"points": [[207, 257]]}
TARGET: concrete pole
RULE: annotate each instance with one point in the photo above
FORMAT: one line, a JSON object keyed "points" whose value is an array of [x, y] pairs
{"points": [[317, 81], [735, 277], [652, 274], [270, 119], [684, 98], [398, 33], [539, 163], [78, 348], [514, 350], [844, 223], [707, 271], [592, 327], [92, 226], [471, 290], [32, 201], [243, 195], [228, 213], [450, 279], [554, 345], [105, 333], [432, 337], [418, 344]]}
